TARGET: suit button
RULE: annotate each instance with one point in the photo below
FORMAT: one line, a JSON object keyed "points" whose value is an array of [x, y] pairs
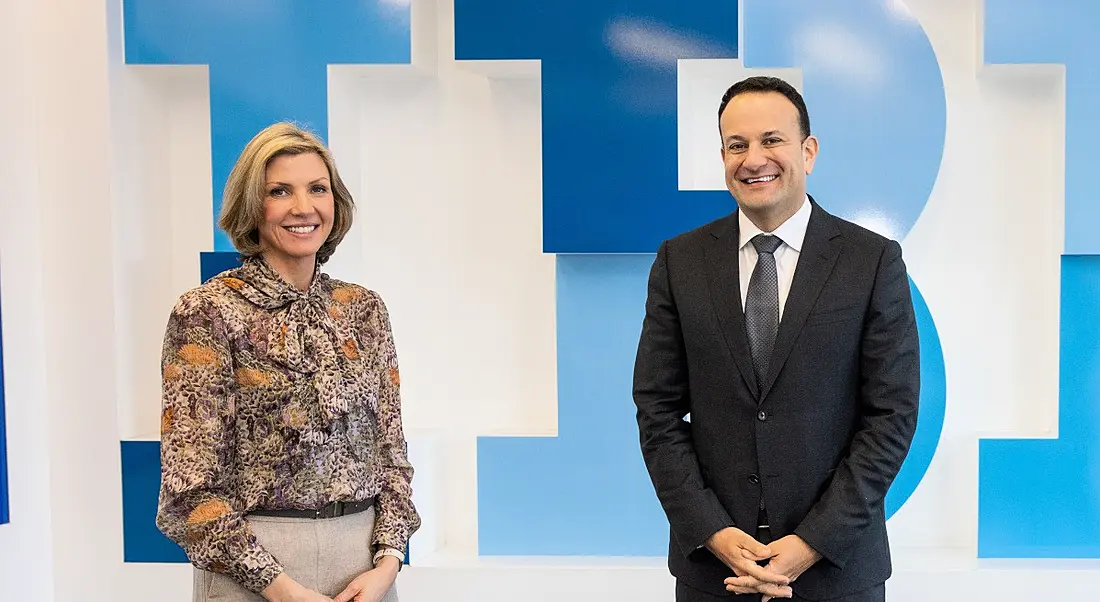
{"points": [[755, 480], [762, 416]]}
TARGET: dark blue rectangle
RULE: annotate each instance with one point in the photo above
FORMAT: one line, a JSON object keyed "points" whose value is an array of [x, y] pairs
{"points": [[142, 541], [4, 517], [212, 263]]}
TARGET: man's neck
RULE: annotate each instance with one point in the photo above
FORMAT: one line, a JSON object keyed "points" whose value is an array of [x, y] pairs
{"points": [[769, 221]]}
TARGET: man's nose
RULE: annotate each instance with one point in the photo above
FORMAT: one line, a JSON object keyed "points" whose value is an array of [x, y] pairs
{"points": [[754, 157]]}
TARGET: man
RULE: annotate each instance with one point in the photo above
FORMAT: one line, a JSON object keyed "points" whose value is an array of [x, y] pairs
{"points": [[777, 377]]}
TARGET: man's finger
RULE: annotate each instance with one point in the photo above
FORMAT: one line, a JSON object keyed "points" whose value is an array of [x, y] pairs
{"points": [[751, 556], [775, 591], [757, 549], [748, 585], [761, 573], [737, 589]]}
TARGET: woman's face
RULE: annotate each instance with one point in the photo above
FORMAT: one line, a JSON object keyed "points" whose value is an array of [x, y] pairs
{"points": [[298, 209]]}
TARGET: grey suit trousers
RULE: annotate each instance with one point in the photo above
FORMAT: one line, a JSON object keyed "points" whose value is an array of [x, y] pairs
{"points": [[323, 555]]}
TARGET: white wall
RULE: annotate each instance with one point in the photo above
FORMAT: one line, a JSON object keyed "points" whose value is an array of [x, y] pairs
{"points": [[106, 181], [26, 563], [57, 246], [986, 253]]}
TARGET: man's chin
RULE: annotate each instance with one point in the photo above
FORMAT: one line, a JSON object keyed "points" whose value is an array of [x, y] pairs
{"points": [[754, 202]]}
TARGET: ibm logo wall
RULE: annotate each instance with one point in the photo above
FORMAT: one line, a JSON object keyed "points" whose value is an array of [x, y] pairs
{"points": [[628, 156]]}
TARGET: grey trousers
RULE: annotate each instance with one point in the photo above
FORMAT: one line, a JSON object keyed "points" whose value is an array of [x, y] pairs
{"points": [[323, 555]]}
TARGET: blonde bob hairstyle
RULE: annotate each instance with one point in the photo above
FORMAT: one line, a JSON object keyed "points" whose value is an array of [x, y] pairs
{"points": [[243, 201]]}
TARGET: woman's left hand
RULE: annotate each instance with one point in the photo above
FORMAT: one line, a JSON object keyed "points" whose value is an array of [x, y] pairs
{"points": [[372, 585]]}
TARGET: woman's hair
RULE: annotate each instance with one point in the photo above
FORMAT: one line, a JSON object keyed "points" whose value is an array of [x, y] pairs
{"points": [[243, 201]]}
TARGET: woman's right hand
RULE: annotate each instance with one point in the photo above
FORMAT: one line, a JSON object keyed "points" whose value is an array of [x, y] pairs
{"points": [[285, 589]]}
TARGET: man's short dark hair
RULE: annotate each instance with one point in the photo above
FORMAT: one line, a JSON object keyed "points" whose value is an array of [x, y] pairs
{"points": [[761, 83]]}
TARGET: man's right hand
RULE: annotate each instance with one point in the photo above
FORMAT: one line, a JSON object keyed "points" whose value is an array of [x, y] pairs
{"points": [[737, 550], [285, 589]]}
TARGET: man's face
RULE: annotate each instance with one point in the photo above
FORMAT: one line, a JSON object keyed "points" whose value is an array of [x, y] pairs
{"points": [[765, 158]]}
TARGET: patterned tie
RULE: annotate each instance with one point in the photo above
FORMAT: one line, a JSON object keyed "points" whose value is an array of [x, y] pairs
{"points": [[762, 304]]}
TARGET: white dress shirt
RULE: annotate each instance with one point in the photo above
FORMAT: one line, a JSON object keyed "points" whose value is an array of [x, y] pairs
{"points": [[792, 232]]}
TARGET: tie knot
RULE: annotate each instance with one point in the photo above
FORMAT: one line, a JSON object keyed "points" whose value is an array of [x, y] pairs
{"points": [[766, 243]]}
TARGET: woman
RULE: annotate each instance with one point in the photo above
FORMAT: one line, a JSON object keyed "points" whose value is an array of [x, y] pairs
{"points": [[284, 470]]}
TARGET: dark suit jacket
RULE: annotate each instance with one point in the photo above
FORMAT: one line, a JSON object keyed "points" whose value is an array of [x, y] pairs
{"points": [[831, 426]]}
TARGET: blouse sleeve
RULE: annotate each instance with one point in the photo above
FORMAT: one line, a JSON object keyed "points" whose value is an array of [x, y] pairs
{"points": [[196, 508], [397, 518]]}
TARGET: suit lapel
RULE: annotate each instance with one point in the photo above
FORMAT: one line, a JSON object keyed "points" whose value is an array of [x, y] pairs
{"points": [[725, 289], [820, 249]]}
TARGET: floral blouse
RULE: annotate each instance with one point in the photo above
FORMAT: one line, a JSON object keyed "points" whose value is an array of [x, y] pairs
{"points": [[277, 398]]}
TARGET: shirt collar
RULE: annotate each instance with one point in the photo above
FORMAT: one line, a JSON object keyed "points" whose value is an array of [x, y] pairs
{"points": [[792, 232]]}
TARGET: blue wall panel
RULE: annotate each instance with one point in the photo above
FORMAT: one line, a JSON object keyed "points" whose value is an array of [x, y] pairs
{"points": [[608, 109], [213, 263], [1041, 498], [4, 512], [876, 100], [267, 61], [1064, 33], [141, 540], [585, 491], [609, 106], [1037, 498]]}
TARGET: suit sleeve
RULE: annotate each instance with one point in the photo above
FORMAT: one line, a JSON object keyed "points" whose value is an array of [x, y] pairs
{"points": [[662, 398], [889, 393]]}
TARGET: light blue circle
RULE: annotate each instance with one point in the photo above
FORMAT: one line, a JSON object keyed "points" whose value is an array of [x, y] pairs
{"points": [[933, 404], [876, 100]]}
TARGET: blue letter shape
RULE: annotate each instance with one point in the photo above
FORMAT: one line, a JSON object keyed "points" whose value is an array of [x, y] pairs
{"points": [[608, 110], [609, 106], [1041, 499], [876, 99], [267, 62], [586, 492], [1036, 31]]}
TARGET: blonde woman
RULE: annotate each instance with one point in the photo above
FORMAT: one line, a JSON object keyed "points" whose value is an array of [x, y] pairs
{"points": [[284, 470]]}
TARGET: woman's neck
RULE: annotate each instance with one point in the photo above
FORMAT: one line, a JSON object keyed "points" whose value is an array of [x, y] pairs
{"points": [[298, 272]]}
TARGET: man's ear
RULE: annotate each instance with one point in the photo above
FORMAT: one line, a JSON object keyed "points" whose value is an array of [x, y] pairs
{"points": [[809, 153]]}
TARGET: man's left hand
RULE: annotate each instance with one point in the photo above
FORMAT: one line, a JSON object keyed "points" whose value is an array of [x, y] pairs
{"points": [[372, 585], [791, 556]]}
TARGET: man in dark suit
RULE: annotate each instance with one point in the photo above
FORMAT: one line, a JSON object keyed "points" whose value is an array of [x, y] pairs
{"points": [[777, 377]]}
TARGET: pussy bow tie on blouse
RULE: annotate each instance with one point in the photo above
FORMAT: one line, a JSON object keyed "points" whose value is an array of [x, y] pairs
{"points": [[301, 334]]}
